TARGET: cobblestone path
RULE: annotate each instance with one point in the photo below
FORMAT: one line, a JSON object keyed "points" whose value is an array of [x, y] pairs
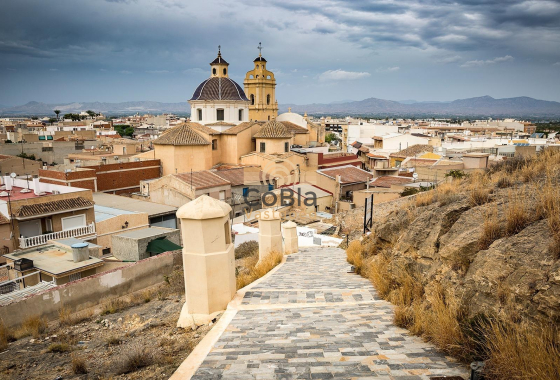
{"points": [[311, 319]]}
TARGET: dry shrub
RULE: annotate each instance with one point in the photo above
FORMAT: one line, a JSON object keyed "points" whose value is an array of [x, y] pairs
{"points": [[137, 358], [113, 306], [59, 347], [447, 193], [406, 287], [522, 351], [549, 207], [256, 269], [113, 340], [34, 326], [376, 270], [425, 198], [517, 215], [503, 182], [79, 365], [491, 229], [479, 196], [246, 249], [355, 255]]}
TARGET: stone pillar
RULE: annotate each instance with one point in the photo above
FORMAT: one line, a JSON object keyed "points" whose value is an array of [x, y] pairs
{"points": [[289, 231], [208, 260], [270, 234]]}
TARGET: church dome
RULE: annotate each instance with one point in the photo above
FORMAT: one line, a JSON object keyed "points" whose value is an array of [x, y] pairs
{"points": [[219, 88]]}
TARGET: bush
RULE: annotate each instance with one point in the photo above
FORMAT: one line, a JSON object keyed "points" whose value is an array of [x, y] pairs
{"points": [[59, 347], [355, 254], [5, 336], [257, 269], [137, 358], [34, 326], [79, 365], [113, 341], [491, 230], [246, 249]]}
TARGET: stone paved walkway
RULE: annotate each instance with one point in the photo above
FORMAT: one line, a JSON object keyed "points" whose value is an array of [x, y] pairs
{"points": [[311, 319]]}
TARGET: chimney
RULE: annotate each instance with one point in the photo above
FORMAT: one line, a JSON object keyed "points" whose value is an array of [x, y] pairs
{"points": [[36, 186], [8, 182], [80, 252]]}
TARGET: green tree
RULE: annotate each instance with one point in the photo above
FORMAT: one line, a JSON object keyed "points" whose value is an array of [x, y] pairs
{"points": [[57, 112], [52, 120], [91, 113]]}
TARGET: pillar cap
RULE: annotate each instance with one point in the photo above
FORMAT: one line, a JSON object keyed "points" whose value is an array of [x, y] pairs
{"points": [[289, 224], [204, 207]]}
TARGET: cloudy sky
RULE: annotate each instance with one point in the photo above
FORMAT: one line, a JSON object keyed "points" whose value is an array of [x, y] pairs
{"points": [[320, 50]]}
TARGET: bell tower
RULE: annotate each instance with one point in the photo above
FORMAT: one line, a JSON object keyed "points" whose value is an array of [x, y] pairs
{"points": [[219, 66], [260, 88]]}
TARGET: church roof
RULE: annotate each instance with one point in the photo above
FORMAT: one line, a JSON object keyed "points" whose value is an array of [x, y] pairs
{"points": [[259, 59], [182, 134], [294, 128], [218, 88], [219, 60], [239, 128], [273, 130], [204, 129]]}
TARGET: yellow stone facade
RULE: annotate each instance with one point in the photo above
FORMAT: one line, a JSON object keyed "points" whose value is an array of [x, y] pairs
{"points": [[260, 88]]}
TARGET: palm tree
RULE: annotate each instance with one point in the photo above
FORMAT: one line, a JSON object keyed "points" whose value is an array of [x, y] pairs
{"points": [[57, 112]]}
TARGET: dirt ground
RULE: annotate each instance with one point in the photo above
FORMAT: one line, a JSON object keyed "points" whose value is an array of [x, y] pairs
{"points": [[133, 339]]}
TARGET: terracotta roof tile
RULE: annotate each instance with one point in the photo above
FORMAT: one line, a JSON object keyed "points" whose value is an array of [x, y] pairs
{"points": [[182, 134], [3, 219], [204, 129], [387, 181], [203, 179], [294, 128], [239, 128], [53, 206], [273, 130], [348, 174], [236, 176]]}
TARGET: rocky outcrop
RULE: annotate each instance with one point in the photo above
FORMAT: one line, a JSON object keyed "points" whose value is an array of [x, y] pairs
{"points": [[517, 274]]}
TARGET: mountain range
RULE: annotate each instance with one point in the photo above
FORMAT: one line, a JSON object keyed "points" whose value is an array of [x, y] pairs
{"points": [[484, 106]]}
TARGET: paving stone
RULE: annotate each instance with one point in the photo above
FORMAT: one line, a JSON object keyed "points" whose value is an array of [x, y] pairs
{"points": [[350, 335]]}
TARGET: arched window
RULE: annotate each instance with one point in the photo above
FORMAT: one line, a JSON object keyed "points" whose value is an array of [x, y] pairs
{"points": [[268, 99], [225, 71], [214, 71], [268, 77], [252, 99], [251, 76]]}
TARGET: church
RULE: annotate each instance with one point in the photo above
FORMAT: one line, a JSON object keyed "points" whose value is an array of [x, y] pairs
{"points": [[231, 125]]}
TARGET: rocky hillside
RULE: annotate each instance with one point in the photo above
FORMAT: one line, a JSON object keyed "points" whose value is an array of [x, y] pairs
{"points": [[474, 266]]}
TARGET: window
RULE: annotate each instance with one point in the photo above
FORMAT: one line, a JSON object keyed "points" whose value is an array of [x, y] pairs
{"points": [[72, 222], [268, 99], [215, 144], [199, 112], [222, 195], [252, 99], [214, 71], [240, 115], [225, 71], [220, 115], [263, 147], [245, 191], [286, 147]]}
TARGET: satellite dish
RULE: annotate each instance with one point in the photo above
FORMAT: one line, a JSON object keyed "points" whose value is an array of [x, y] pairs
{"points": [[13, 175]]}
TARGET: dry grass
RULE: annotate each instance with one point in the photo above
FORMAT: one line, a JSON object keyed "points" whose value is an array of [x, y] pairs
{"points": [[246, 249], [425, 198], [79, 365], [479, 196], [59, 347], [114, 306], [355, 255], [522, 351], [491, 229], [448, 192], [137, 358], [113, 340], [517, 215], [376, 270], [34, 326], [256, 269]]}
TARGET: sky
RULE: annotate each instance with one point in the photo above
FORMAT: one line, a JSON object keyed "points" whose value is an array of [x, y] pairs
{"points": [[321, 51]]}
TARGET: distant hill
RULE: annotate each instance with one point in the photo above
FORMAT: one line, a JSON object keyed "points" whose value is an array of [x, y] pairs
{"points": [[38, 108], [484, 106], [480, 106]]}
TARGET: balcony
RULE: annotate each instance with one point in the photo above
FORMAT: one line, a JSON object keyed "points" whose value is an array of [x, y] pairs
{"points": [[42, 239]]}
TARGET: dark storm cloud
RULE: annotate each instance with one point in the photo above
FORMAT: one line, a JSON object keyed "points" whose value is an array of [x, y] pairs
{"points": [[176, 39]]}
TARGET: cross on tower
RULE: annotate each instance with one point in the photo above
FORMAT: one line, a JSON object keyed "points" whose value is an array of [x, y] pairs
{"points": [[260, 49], [219, 48]]}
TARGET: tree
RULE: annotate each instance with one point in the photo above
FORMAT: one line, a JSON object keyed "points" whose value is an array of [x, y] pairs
{"points": [[52, 120], [57, 112], [91, 113]]}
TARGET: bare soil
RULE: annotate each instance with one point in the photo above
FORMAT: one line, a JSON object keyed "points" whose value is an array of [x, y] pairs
{"points": [[143, 335]]}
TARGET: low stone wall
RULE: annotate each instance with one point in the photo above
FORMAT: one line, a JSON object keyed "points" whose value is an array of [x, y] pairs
{"points": [[91, 291]]}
